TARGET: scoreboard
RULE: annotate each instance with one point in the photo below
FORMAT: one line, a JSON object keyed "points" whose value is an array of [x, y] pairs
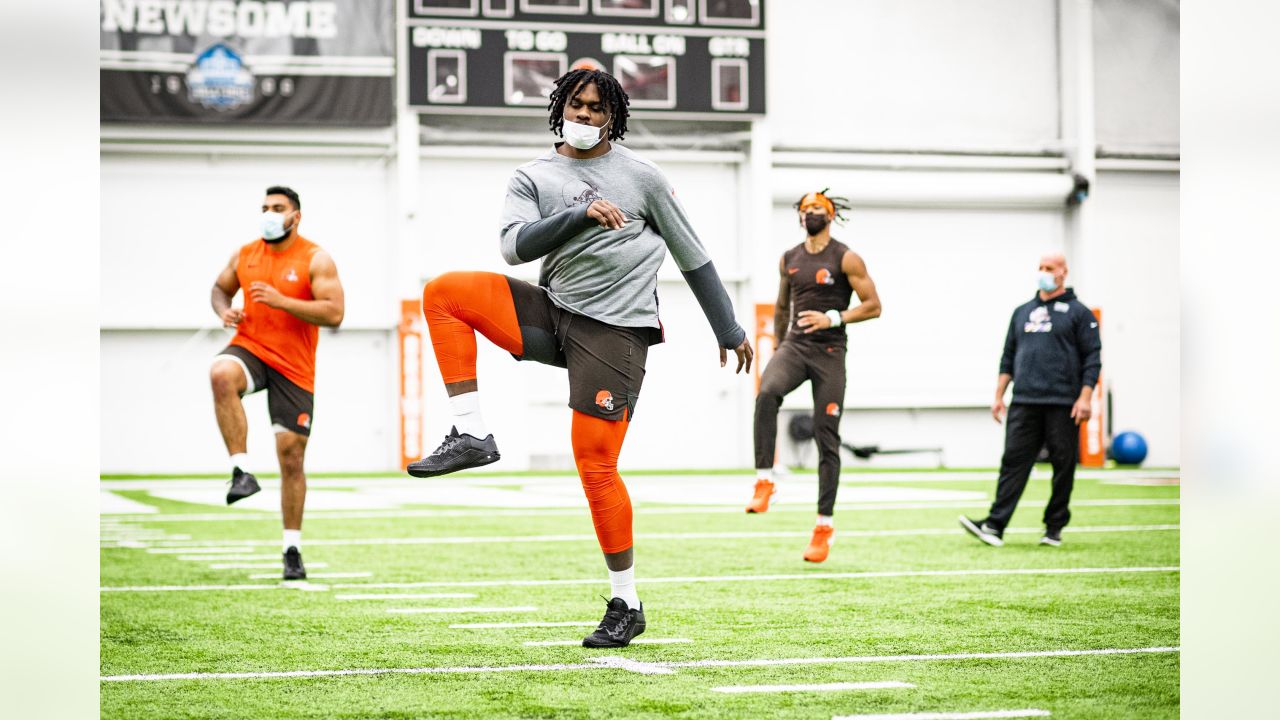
{"points": [[691, 59]]}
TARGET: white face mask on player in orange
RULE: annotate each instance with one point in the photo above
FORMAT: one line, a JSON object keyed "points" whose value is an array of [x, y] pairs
{"points": [[273, 227]]}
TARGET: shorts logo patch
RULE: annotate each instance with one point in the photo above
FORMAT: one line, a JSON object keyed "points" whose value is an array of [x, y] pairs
{"points": [[833, 409], [304, 420], [792, 271], [824, 277], [605, 400]]}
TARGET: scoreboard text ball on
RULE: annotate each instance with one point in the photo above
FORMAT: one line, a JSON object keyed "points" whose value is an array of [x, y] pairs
{"points": [[695, 59]]}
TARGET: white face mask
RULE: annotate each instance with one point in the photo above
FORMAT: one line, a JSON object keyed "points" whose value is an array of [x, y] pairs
{"points": [[272, 226], [583, 137], [1046, 281]]}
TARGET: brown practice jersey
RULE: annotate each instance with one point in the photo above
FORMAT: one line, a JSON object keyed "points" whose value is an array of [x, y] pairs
{"points": [[817, 283]]}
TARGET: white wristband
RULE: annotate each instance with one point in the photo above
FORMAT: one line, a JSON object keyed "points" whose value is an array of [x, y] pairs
{"points": [[834, 317]]}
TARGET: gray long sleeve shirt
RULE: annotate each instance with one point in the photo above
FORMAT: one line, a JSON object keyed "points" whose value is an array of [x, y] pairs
{"points": [[609, 275]]}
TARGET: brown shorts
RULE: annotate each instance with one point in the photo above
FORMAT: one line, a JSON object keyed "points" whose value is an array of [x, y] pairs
{"points": [[605, 362], [290, 407]]}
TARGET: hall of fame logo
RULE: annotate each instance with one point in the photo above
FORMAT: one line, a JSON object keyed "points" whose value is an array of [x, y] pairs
{"points": [[219, 79]]}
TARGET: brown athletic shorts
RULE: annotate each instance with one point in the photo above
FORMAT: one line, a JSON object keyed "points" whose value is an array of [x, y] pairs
{"points": [[289, 406], [605, 362]]}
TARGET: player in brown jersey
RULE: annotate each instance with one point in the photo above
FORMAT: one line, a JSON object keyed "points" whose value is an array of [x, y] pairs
{"points": [[817, 280]]}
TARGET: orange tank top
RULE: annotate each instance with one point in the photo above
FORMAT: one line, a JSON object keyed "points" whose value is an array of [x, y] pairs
{"points": [[282, 341]]}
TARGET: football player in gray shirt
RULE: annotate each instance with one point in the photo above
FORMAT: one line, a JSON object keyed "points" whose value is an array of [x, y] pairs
{"points": [[601, 219]]}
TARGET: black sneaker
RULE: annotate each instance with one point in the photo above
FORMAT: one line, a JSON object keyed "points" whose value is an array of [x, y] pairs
{"points": [[457, 452], [619, 626], [293, 569], [243, 485], [1052, 538], [983, 530]]}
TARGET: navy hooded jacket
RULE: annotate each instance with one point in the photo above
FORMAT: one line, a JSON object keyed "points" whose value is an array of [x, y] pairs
{"points": [[1053, 350]]}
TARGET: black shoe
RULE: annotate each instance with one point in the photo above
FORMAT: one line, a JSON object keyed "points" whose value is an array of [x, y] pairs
{"points": [[1052, 538], [243, 485], [983, 530], [619, 626], [457, 452], [293, 569]]}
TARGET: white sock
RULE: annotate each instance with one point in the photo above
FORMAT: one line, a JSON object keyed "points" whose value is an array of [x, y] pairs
{"points": [[623, 585], [764, 474], [293, 538], [825, 520], [466, 414], [241, 460]]}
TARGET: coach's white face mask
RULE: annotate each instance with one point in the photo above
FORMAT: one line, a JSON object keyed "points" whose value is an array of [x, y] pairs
{"points": [[583, 137], [272, 226]]}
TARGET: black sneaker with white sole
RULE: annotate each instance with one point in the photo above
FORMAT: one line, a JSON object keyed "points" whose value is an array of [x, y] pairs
{"points": [[983, 530], [1052, 538], [619, 626], [459, 451], [293, 569], [243, 485]]}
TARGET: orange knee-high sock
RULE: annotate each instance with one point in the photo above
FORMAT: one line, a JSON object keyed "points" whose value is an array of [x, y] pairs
{"points": [[596, 444], [457, 304]]}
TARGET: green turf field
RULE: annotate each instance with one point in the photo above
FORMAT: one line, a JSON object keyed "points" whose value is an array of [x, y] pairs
{"points": [[905, 597]]}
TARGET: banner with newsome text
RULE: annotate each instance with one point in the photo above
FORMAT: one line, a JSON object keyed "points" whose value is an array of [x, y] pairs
{"points": [[279, 62]]}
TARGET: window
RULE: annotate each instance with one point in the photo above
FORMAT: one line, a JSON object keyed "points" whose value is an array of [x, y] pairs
{"points": [[446, 7], [531, 76], [446, 76], [729, 89], [650, 81], [731, 12], [626, 8], [560, 7]]}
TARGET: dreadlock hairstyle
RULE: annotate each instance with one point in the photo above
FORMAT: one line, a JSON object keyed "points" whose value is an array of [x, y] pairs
{"points": [[612, 96], [835, 205]]}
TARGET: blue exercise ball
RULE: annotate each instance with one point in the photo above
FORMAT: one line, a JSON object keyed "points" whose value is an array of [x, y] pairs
{"points": [[1129, 448]]}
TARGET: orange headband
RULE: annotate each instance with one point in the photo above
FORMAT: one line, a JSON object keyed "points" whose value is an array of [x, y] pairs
{"points": [[817, 198]]}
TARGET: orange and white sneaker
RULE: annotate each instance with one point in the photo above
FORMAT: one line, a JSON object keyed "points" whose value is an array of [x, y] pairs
{"points": [[820, 544], [760, 502]]}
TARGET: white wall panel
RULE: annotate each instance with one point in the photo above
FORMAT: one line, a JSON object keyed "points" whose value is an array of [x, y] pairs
{"points": [[913, 73], [948, 281], [1134, 251], [1136, 46], [157, 407], [171, 222]]}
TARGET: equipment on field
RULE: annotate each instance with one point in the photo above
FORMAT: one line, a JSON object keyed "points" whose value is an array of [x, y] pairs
{"points": [[800, 430], [1129, 448]]}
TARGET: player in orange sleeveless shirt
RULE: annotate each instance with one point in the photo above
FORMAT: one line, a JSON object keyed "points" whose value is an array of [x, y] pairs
{"points": [[291, 287]]}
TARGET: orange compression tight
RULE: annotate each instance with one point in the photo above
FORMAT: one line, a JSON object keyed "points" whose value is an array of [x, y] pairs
{"points": [[456, 304], [596, 444]]}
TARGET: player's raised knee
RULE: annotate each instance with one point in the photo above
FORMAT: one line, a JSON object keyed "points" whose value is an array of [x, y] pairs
{"points": [[227, 378]]}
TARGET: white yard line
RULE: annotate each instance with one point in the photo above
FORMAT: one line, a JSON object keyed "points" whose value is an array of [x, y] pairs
{"points": [[980, 715], [731, 535], [496, 626], [258, 566], [314, 576], [237, 558], [460, 610], [637, 641], [404, 596], [615, 661], [700, 579], [642, 510], [187, 588], [199, 549], [768, 578], [822, 687]]}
